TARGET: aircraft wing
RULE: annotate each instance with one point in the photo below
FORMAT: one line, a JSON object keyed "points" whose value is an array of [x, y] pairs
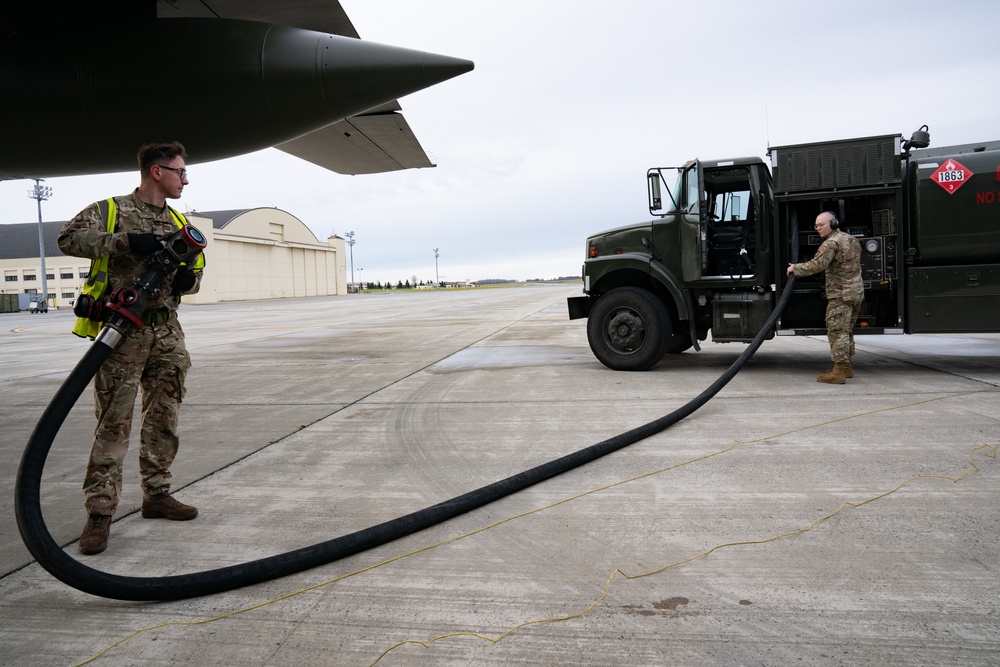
{"points": [[319, 15], [377, 141]]}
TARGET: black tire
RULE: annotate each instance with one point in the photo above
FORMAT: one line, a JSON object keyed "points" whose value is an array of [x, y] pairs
{"points": [[629, 329]]}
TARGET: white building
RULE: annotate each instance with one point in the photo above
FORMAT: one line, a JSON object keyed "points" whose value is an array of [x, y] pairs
{"points": [[260, 253]]}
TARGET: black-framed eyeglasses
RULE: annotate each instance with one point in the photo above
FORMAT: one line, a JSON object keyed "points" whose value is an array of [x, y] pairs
{"points": [[180, 171]]}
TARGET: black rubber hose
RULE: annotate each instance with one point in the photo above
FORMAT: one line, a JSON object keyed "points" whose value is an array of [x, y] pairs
{"points": [[27, 488], [82, 577]]}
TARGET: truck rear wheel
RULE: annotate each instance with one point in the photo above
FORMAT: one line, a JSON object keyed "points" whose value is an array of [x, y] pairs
{"points": [[629, 329]]}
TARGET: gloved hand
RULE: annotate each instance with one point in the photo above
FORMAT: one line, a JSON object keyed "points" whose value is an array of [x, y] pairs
{"points": [[143, 244], [183, 281]]}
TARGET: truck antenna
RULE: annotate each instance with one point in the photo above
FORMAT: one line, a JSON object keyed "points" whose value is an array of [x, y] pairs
{"points": [[767, 130]]}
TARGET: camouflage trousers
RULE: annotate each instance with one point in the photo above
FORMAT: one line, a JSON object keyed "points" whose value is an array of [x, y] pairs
{"points": [[841, 314], [156, 359]]}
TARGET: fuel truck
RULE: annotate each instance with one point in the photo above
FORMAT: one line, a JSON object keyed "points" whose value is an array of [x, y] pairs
{"points": [[714, 256]]}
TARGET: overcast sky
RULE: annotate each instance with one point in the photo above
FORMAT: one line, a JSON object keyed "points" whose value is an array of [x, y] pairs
{"points": [[549, 138]]}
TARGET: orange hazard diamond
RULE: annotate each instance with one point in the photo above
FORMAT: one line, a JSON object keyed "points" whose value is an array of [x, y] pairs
{"points": [[951, 175]]}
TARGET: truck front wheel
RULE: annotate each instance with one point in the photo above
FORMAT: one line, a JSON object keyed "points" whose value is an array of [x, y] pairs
{"points": [[629, 329]]}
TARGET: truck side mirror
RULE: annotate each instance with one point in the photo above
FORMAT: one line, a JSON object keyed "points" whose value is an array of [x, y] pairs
{"points": [[655, 198]]}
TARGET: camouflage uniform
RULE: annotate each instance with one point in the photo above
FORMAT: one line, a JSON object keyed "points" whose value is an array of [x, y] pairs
{"points": [[840, 257], [154, 357]]}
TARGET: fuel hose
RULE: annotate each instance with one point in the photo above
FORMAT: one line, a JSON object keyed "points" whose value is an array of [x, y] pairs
{"points": [[177, 587]]}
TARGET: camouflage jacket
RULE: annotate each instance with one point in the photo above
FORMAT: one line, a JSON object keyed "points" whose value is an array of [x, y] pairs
{"points": [[840, 257], [86, 235]]}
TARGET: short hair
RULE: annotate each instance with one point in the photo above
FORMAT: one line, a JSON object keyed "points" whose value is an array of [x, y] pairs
{"points": [[150, 154]]}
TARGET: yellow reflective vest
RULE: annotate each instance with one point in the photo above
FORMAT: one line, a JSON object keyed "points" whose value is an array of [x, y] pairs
{"points": [[97, 280]]}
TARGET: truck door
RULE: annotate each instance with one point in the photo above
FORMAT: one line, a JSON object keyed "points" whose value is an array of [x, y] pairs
{"points": [[686, 228]]}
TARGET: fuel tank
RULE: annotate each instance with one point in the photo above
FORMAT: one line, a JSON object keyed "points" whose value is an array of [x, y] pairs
{"points": [[955, 205]]}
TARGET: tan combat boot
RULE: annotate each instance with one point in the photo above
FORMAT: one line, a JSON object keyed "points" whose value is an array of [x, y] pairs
{"points": [[848, 370], [836, 375], [165, 506], [94, 539]]}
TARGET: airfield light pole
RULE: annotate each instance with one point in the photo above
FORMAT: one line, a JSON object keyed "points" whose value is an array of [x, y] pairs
{"points": [[437, 278], [40, 192], [350, 243]]}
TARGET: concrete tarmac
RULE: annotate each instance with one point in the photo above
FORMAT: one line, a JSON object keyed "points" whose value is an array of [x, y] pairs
{"points": [[786, 522]]}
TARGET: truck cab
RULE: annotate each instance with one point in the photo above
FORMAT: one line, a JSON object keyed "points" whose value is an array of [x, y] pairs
{"points": [[702, 263]]}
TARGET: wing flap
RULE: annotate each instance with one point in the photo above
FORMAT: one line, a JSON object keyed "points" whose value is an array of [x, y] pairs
{"points": [[367, 144]]}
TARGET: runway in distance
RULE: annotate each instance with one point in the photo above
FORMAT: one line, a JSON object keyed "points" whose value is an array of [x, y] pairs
{"points": [[86, 83]]}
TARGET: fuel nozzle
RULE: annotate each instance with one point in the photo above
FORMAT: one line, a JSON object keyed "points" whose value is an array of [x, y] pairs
{"points": [[180, 247], [184, 245], [123, 310]]}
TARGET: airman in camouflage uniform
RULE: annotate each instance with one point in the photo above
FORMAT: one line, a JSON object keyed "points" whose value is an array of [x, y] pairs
{"points": [[840, 257], [153, 357]]}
